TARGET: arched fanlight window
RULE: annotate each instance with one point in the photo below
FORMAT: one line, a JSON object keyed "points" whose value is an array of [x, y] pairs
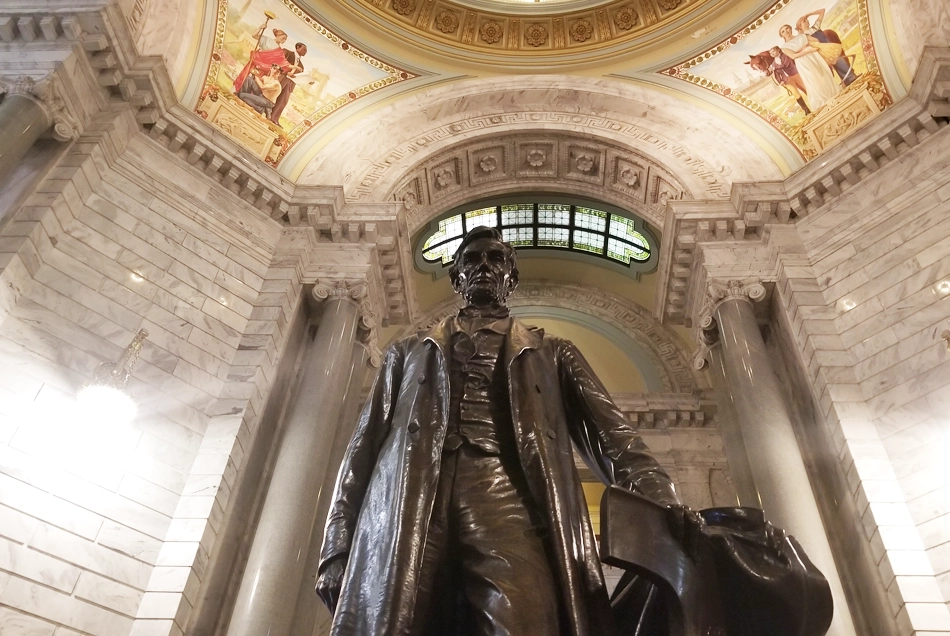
{"points": [[550, 229]]}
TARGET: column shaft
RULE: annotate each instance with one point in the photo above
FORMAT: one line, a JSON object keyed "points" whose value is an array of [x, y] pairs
{"points": [[22, 120], [775, 457], [739, 468], [309, 607], [265, 601]]}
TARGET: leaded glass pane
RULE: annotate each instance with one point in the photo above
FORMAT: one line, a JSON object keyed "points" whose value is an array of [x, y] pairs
{"points": [[521, 214], [553, 237], [624, 229], [485, 216], [554, 214], [588, 242], [519, 236], [590, 219], [448, 228], [624, 252], [444, 252]]}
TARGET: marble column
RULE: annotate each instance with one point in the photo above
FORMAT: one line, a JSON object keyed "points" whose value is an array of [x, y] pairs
{"points": [[309, 607], [275, 567], [740, 469], [768, 434], [25, 116]]}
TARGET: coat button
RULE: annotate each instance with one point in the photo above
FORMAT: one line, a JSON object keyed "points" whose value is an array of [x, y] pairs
{"points": [[413, 426], [552, 434], [421, 379]]}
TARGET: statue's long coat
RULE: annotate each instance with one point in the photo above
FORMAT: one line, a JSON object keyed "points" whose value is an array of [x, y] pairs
{"points": [[387, 483]]}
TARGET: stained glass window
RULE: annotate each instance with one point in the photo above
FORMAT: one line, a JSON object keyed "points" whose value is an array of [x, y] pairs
{"points": [[545, 225]]}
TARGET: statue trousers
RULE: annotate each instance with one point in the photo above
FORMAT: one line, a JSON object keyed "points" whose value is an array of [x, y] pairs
{"points": [[485, 569]]}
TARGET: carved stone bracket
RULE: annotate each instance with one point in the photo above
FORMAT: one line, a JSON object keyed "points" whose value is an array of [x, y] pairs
{"points": [[45, 92], [358, 292]]}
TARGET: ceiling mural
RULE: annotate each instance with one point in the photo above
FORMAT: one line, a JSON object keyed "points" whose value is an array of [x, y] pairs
{"points": [[808, 67], [275, 72]]}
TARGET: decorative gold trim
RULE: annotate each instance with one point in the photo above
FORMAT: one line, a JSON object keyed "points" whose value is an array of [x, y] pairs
{"points": [[597, 26]]}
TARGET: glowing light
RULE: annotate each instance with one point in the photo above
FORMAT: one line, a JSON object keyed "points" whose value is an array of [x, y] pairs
{"points": [[943, 287], [107, 405], [138, 278], [848, 305], [223, 302]]}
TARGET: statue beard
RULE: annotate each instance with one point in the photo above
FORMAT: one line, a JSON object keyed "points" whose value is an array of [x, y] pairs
{"points": [[481, 296]]}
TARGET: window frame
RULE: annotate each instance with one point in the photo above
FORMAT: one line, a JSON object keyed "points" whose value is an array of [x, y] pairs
{"points": [[438, 269]]}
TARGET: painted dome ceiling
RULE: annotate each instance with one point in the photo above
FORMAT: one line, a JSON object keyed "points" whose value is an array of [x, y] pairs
{"points": [[328, 92]]}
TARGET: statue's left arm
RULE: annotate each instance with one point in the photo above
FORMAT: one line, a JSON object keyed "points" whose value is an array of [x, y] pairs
{"points": [[602, 433]]}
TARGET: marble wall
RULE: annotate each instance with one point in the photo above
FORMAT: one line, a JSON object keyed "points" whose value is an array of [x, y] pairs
{"points": [[868, 311], [108, 532]]}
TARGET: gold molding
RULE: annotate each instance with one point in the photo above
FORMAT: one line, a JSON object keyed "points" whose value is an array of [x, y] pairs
{"points": [[539, 33]]}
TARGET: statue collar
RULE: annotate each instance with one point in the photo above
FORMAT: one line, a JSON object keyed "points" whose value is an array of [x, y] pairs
{"points": [[519, 337]]}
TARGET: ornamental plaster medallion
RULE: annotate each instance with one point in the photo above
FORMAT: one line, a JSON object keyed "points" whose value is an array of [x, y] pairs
{"points": [[536, 34], [487, 164], [630, 178], [669, 5], [447, 22], [625, 18], [584, 163], [404, 7], [491, 32], [536, 158], [444, 178], [581, 30]]}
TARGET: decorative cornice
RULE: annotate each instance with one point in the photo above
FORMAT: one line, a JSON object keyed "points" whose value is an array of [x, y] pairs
{"points": [[669, 410]]}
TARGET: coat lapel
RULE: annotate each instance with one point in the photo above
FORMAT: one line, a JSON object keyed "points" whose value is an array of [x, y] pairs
{"points": [[440, 335], [520, 339]]}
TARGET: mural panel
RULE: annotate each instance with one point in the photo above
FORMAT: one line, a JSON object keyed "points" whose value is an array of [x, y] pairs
{"points": [[276, 72], [808, 67]]}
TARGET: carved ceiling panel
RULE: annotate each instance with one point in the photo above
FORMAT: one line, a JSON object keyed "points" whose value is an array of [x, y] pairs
{"points": [[583, 166], [530, 30]]}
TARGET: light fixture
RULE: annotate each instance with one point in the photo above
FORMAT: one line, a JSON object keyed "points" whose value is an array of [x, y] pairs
{"points": [[942, 288], [138, 278], [105, 399], [848, 304]]}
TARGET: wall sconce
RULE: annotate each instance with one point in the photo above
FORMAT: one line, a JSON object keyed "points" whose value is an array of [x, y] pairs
{"points": [[105, 399]]}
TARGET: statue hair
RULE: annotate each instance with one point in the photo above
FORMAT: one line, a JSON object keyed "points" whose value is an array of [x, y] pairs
{"points": [[479, 233]]}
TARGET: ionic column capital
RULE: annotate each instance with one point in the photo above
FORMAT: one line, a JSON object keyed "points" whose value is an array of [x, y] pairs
{"points": [[356, 291], [718, 291], [46, 92]]}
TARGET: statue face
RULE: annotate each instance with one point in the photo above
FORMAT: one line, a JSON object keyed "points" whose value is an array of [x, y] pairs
{"points": [[484, 273]]}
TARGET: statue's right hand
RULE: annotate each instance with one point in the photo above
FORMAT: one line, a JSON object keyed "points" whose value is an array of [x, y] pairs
{"points": [[330, 581]]}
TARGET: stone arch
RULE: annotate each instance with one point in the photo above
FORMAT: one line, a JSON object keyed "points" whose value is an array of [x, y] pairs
{"points": [[370, 158], [502, 164]]}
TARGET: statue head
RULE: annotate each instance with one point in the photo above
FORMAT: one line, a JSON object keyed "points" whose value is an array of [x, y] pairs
{"points": [[484, 270]]}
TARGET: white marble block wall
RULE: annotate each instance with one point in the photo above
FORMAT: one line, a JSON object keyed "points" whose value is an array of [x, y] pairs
{"points": [[107, 532], [868, 314]]}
